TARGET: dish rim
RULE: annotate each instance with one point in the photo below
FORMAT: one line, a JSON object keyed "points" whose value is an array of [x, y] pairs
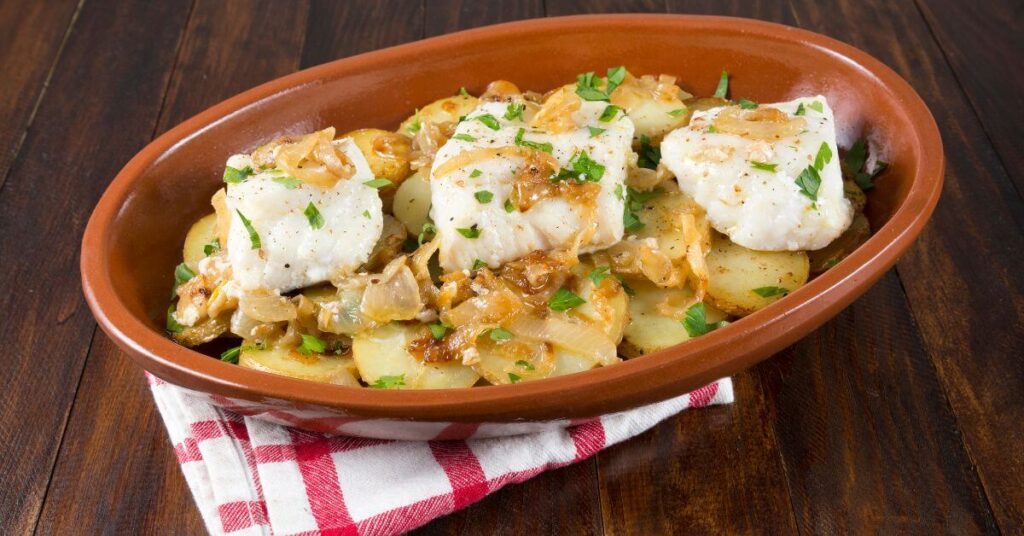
{"points": [[665, 373]]}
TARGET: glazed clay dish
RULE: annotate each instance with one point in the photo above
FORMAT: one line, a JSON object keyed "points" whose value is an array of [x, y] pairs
{"points": [[389, 331]]}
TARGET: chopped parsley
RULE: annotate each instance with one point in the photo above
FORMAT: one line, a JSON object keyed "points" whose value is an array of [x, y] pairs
{"points": [[649, 155], [379, 182], [172, 325], [513, 377], [509, 206], [231, 355], [823, 157], [581, 169], [677, 112], [288, 181], [597, 275], [182, 274], [635, 201], [235, 176], [747, 104], [854, 161], [311, 344], [587, 84], [463, 137], [427, 229], [595, 131], [800, 110], [522, 363], [489, 120], [415, 126], [763, 166], [809, 181], [387, 382], [768, 292], [546, 147], [483, 196], [212, 247], [723, 85], [254, 237], [463, 92], [696, 323], [366, 214], [316, 221], [500, 334], [471, 233], [816, 106], [478, 264], [712, 129], [609, 113], [514, 111], [438, 331], [475, 173], [564, 299]]}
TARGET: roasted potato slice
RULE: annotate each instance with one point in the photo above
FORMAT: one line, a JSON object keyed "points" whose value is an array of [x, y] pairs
{"points": [[339, 370], [412, 203], [201, 234], [383, 360], [650, 328], [606, 304], [736, 272], [446, 110], [851, 239], [386, 152]]}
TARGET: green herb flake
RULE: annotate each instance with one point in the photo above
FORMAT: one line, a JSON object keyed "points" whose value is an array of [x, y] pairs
{"points": [[616, 75], [855, 158], [379, 182], [800, 110], [677, 112], [587, 85], [564, 299], [523, 364], [823, 157], [366, 214], [509, 206], [747, 104], [316, 221], [866, 181], [597, 275], [287, 181], [427, 229], [514, 111], [723, 85], [182, 274], [768, 292], [311, 344], [763, 166], [231, 355], [483, 196], [212, 247], [809, 181], [500, 334], [619, 194], [712, 129], [546, 147], [817, 106], [471, 233], [581, 169], [478, 264], [831, 262], [696, 323], [489, 120], [635, 201], [475, 173], [415, 126], [172, 324], [609, 113], [513, 377], [235, 176], [649, 155], [388, 382], [254, 237], [463, 137], [595, 131], [463, 92], [438, 331]]}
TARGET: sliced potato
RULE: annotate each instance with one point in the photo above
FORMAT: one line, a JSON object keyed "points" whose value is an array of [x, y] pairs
{"points": [[204, 331], [386, 152], [201, 234], [220, 205], [650, 329], [382, 356], [514, 361], [446, 110], [339, 370], [653, 117], [851, 239], [736, 271], [662, 220], [412, 203], [606, 305], [388, 246]]}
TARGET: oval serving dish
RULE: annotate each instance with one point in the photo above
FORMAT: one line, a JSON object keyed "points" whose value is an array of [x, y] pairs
{"points": [[134, 236]]}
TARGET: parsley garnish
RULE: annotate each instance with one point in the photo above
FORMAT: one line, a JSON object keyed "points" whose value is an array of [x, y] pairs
{"points": [[231, 355], [597, 275], [387, 382], [288, 181], [677, 112], [438, 331], [427, 229], [809, 181], [800, 110], [595, 131], [499, 334], [235, 176], [581, 169], [471, 233], [587, 84], [514, 378], [212, 247], [415, 126], [172, 325], [747, 104], [854, 161], [649, 155], [463, 137], [723, 85], [619, 193], [823, 157], [696, 323], [475, 173], [478, 264], [254, 237], [483, 196], [635, 201], [463, 92], [546, 147], [609, 113], [712, 129], [379, 182], [816, 106], [763, 166], [768, 292], [366, 214], [182, 275], [564, 299], [514, 111], [509, 206], [489, 120], [522, 363], [316, 221], [311, 344]]}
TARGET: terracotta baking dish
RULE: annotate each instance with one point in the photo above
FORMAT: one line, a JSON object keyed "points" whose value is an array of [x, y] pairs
{"points": [[133, 240]]}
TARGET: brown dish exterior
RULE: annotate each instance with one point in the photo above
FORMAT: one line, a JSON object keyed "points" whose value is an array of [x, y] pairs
{"points": [[133, 238]]}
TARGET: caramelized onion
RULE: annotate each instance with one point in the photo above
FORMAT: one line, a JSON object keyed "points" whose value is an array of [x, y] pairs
{"points": [[264, 306], [579, 338], [467, 158], [763, 123], [555, 116], [313, 159], [392, 295]]}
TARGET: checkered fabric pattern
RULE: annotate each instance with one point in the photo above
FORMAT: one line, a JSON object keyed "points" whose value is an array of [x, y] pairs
{"points": [[250, 476]]}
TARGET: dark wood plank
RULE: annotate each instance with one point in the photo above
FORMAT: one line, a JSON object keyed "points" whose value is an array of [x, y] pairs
{"points": [[340, 29], [31, 35], [963, 275], [578, 7], [984, 45], [101, 106], [225, 50], [446, 16]]}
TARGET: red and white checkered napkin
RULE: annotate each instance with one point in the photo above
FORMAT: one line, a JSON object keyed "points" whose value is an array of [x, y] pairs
{"points": [[249, 476]]}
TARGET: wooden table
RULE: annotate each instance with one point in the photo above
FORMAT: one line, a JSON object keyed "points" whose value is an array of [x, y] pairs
{"points": [[905, 414]]}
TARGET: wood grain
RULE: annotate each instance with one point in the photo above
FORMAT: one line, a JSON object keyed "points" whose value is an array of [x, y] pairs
{"points": [[963, 275], [983, 45], [31, 36], [224, 51], [340, 29], [101, 106], [446, 16], [580, 7]]}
